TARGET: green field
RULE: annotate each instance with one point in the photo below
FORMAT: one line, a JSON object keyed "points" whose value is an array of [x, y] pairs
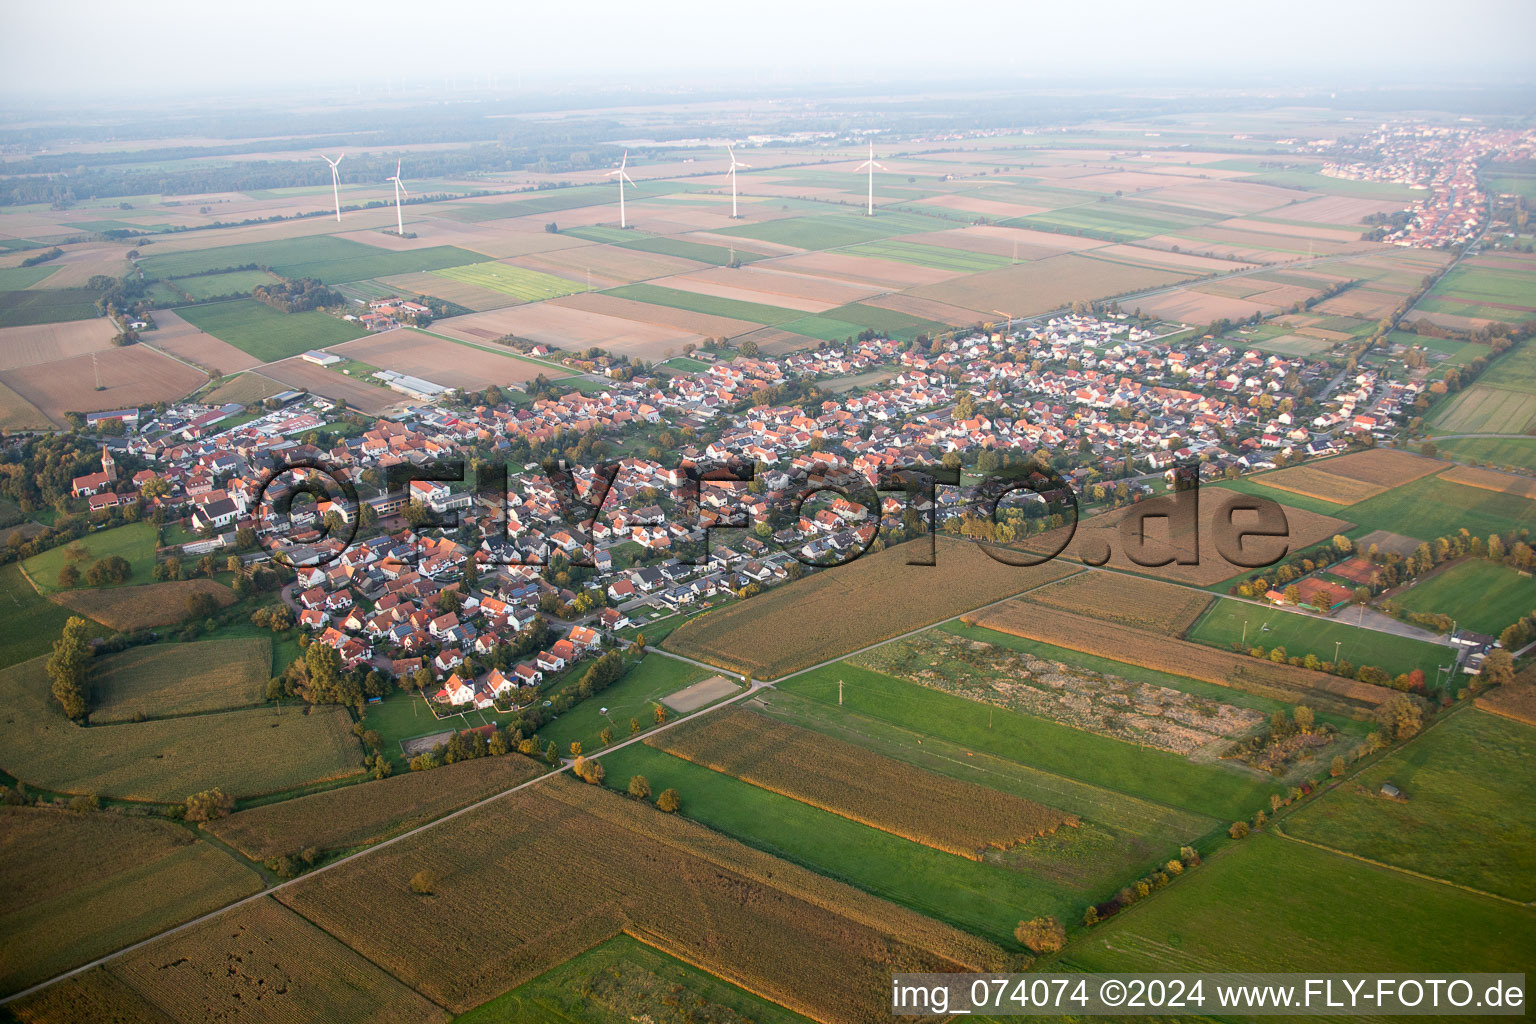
{"points": [[935, 256], [1217, 790], [236, 282], [162, 680], [1267, 904], [1468, 817], [1222, 625], [31, 622], [554, 200], [1481, 409], [79, 886], [247, 753], [520, 283], [266, 333], [1480, 595], [981, 897], [1518, 453], [624, 980], [832, 230], [1431, 507], [14, 279], [715, 255], [135, 542], [1117, 220], [633, 696], [46, 306], [1457, 353], [697, 302], [856, 317], [1487, 292], [1334, 186], [331, 260]]}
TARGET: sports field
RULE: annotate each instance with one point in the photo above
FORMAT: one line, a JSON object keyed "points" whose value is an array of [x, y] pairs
{"points": [[1468, 813], [1480, 595], [266, 333], [520, 283], [1228, 622]]}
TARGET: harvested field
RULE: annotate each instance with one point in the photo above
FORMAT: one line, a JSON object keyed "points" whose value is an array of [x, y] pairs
{"points": [[924, 309], [1046, 284], [1196, 306], [165, 760], [837, 610], [712, 283], [665, 316], [174, 335], [439, 360], [263, 962], [161, 680], [135, 375], [361, 815], [16, 413], [1164, 654], [569, 329], [1171, 260], [1492, 480], [864, 270], [47, 343], [1129, 600], [784, 289], [947, 814], [1515, 701], [700, 694], [1316, 482], [142, 607], [1385, 540], [1355, 477], [519, 283], [79, 886], [772, 341], [582, 864], [372, 399], [609, 264], [1015, 243], [244, 388], [1103, 540]]}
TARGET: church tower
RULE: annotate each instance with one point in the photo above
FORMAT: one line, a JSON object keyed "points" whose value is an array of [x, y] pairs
{"points": [[108, 464]]}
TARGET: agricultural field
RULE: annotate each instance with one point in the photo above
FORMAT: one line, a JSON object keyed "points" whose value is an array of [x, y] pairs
{"points": [[244, 388], [1215, 790], [164, 680], [16, 413], [46, 343], [851, 782], [1165, 654], [142, 607], [31, 622], [116, 378], [1481, 409], [854, 318], [834, 611], [46, 306], [633, 696], [166, 760], [1485, 289], [1512, 453], [82, 885], [520, 283], [442, 361], [1047, 284], [364, 814], [134, 542], [834, 230], [266, 333], [330, 259], [1349, 479], [1433, 507], [935, 256], [1480, 595], [1489, 480], [1256, 906], [698, 302], [176, 336], [1131, 600], [1468, 812], [211, 286], [1228, 624], [622, 979], [726, 908]]}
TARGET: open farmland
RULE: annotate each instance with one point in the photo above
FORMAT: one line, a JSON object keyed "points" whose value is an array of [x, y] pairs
{"points": [[264, 951], [360, 815], [216, 286], [162, 680], [142, 607], [1484, 289], [1488, 480], [736, 912], [1469, 811], [1481, 409], [166, 760], [46, 343], [1432, 507], [244, 388], [1353, 478], [1479, 595], [1131, 600], [520, 283], [854, 783], [1511, 453], [832, 230], [837, 610], [176, 336], [450, 363], [1165, 654], [562, 327], [373, 399], [80, 886], [713, 305], [31, 622], [46, 306], [1229, 624], [266, 333], [623, 979], [130, 376], [1256, 906], [16, 413], [329, 259], [1047, 284], [1106, 539], [708, 325]]}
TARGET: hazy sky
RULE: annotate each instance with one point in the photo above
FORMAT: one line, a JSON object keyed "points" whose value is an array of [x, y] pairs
{"points": [[197, 47]]}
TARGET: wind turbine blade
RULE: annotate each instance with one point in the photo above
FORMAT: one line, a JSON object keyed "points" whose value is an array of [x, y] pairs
{"points": [[397, 168], [339, 159]]}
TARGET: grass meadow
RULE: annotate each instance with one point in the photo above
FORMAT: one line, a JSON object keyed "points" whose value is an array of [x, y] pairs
{"points": [[1480, 595], [266, 333], [134, 542]]}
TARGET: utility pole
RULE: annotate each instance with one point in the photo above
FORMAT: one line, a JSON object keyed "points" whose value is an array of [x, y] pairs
{"points": [[839, 693]]}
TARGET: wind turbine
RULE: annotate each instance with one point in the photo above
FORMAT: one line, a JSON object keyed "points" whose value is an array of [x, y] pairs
{"points": [[871, 165], [734, 164], [623, 176], [335, 182], [399, 188]]}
